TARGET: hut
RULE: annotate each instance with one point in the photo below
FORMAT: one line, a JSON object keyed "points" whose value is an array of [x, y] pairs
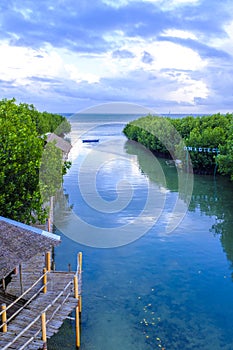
{"points": [[62, 144], [19, 243], [38, 299]]}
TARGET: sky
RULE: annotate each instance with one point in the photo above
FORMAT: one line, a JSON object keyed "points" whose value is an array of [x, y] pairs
{"points": [[170, 56]]}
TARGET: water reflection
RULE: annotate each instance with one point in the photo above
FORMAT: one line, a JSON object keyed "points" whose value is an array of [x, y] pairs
{"points": [[155, 292], [212, 196]]}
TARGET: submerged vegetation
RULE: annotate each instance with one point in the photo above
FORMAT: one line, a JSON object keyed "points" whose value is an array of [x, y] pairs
{"points": [[22, 139], [207, 139]]}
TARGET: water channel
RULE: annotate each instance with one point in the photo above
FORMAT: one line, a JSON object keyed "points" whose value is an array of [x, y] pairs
{"points": [[144, 288]]}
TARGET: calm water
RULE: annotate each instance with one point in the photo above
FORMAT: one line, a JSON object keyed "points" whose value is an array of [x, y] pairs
{"points": [[161, 290]]}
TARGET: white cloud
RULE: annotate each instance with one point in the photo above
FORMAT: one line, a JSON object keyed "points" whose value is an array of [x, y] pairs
{"points": [[188, 89], [225, 43], [78, 74], [182, 34], [173, 56], [20, 63], [183, 2], [166, 55], [171, 73], [25, 12], [165, 4]]}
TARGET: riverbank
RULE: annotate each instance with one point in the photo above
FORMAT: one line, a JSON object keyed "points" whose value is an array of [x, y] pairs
{"points": [[203, 143]]}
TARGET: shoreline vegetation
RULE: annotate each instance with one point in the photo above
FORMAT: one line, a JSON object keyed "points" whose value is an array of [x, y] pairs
{"points": [[31, 170], [203, 143]]}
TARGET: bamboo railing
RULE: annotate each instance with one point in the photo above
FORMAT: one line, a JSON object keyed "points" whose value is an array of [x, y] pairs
{"points": [[65, 293], [6, 308]]}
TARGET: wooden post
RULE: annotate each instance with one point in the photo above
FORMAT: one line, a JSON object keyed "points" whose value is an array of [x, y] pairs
{"points": [[43, 327], [48, 261], [77, 323], [4, 328], [76, 286], [80, 262], [3, 284], [49, 225], [21, 278], [45, 280]]}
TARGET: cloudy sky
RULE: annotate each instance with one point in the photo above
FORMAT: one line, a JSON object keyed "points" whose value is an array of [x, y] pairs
{"points": [[68, 55]]}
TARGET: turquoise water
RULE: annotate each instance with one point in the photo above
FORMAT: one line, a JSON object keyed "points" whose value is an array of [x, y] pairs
{"points": [[171, 290]]}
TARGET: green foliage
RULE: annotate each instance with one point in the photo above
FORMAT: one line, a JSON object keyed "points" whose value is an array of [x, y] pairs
{"points": [[51, 171], [225, 158], [44, 121], [21, 150], [167, 137], [155, 133], [21, 153]]}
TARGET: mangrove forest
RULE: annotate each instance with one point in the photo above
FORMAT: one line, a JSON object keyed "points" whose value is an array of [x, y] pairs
{"points": [[206, 142], [23, 132]]}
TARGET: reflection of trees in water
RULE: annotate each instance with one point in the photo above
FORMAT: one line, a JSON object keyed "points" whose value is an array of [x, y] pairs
{"points": [[147, 166], [214, 198], [211, 196], [62, 208]]}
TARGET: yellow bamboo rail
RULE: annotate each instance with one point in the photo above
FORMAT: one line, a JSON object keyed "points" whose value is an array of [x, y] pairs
{"points": [[4, 323], [79, 273], [44, 280], [48, 261], [43, 327], [35, 320], [4, 328], [80, 262], [77, 326], [42, 315], [76, 286], [48, 320]]}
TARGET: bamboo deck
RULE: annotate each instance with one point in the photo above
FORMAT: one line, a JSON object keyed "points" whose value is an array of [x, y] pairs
{"points": [[57, 303]]}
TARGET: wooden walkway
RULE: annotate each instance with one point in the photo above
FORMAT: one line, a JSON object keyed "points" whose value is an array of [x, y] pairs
{"points": [[24, 331], [31, 271]]}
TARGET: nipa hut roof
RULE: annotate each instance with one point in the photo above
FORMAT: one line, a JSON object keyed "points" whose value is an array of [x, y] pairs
{"points": [[20, 242], [64, 145]]}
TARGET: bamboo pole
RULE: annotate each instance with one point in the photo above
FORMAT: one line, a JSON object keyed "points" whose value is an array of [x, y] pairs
{"points": [[76, 286], [48, 261], [45, 280], [80, 303], [77, 323], [80, 262], [4, 318], [43, 327]]}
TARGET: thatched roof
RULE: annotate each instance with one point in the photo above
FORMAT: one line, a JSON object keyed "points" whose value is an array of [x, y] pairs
{"points": [[64, 145], [20, 242]]}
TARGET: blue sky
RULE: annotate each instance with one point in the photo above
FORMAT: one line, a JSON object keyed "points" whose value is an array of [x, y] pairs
{"points": [[167, 55]]}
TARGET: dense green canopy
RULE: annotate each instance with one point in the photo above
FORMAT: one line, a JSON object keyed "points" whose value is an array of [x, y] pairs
{"points": [[209, 140], [22, 147]]}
